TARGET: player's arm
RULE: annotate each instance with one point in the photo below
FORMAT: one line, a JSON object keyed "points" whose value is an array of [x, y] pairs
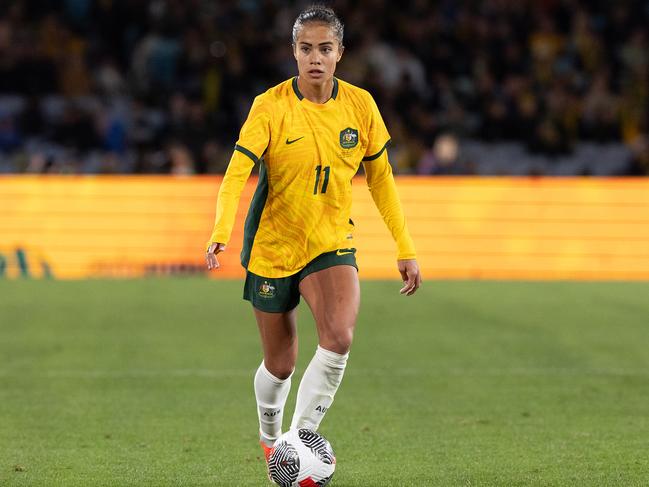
{"points": [[227, 202], [253, 141], [384, 192], [383, 189]]}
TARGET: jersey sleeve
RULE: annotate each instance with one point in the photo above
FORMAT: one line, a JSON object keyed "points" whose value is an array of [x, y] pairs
{"points": [[378, 136], [383, 189], [229, 194], [251, 145], [254, 136]]}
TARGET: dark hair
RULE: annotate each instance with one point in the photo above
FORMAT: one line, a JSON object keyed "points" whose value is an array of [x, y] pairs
{"points": [[322, 14]]}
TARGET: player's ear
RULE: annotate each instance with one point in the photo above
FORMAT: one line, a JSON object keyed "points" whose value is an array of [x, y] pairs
{"points": [[341, 49], [294, 51]]}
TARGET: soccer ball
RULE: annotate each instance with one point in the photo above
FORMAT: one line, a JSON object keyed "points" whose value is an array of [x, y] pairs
{"points": [[301, 458]]}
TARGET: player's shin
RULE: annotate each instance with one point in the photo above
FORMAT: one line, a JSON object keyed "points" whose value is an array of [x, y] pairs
{"points": [[318, 388], [271, 394]]}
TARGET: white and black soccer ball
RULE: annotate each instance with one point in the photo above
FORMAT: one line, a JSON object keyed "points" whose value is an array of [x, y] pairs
{"points": [[301, 458]]}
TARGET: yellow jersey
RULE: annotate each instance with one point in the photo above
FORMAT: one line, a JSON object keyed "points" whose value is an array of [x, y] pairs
{"points": [[308, 154]]}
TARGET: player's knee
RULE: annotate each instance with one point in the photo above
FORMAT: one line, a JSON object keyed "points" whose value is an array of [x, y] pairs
{"points": [[339, 342]]}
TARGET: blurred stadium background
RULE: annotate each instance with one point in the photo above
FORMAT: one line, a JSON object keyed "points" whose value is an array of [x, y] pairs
{"points": [[550, 87], [494, 88]]}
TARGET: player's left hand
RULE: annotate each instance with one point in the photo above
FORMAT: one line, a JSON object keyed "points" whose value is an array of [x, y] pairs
{"points": [[411, 276]]}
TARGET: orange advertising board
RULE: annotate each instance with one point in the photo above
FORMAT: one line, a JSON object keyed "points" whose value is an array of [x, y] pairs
{"points": [[465, 228]]}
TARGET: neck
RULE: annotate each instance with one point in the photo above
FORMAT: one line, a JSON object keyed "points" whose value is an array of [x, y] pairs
{"points": [[316, 93]]}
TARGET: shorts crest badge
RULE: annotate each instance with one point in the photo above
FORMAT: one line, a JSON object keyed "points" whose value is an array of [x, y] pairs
{"points": [[348, 138], [267, 290]]}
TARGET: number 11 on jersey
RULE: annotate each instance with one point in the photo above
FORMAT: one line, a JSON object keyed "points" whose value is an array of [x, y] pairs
{"points": [[325, 182]]}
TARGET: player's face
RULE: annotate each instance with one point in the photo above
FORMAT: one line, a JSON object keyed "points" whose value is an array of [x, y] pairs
{"points": [[317, 51]]}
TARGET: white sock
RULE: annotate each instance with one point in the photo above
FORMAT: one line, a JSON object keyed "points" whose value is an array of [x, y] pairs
{"points": [[318, 387], [271, 394]]}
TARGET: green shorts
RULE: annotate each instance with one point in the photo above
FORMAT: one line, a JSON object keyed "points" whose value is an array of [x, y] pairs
{"points": [[278, 295]]}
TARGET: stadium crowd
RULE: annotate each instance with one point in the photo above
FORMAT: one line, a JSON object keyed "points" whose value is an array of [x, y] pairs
{"points": [[474, 87]]}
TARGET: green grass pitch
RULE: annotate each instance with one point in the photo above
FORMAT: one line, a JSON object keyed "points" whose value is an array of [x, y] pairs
{"points": [[149, 383]]}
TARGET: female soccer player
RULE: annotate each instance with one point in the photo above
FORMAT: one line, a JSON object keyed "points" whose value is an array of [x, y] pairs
{"points": [[309, 135]]}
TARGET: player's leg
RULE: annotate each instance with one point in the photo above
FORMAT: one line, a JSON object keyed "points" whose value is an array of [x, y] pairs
{"points": [[333, 294], [274, 302], [278, 333]]}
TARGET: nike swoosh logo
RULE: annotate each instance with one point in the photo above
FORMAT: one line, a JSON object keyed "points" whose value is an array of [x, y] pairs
{"points": [[342, 252], [294, 140]]}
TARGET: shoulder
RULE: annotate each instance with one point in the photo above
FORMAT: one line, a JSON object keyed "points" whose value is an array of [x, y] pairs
{"points": [[354, 94], [360, 99], [275, 97]]}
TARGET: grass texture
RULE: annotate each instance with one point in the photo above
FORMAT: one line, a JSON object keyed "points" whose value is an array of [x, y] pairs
{"points": [[149, 383]]}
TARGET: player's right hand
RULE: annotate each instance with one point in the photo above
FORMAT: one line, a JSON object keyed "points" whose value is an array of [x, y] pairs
{"points": [[210, 256]]}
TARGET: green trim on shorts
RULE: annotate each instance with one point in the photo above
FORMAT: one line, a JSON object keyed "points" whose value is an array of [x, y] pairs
{"points": [[282, 294]]}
